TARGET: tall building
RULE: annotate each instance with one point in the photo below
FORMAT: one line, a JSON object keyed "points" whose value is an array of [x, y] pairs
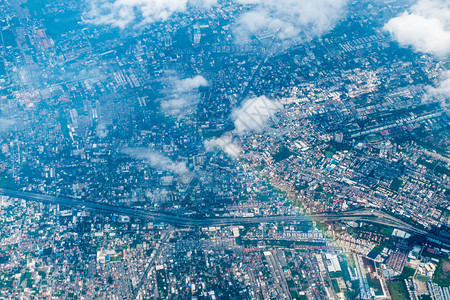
{"points": [[197, 34]]}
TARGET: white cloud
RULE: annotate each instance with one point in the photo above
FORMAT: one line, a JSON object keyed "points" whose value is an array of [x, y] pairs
{"points": [[225, 143], [174, 105], [182, 94], [295, 19], [190, 84], [253, 114], [101, 130], [426, 27], [5, 124], [158, 161], [122, 13], [203, 3], [441, 92]]}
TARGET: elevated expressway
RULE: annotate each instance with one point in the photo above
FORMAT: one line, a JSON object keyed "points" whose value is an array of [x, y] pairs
{"points": [[366, 215]]}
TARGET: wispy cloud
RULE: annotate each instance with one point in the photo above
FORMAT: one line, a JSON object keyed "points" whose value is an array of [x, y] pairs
{"points": [[252, 116], [296, 20], [158, 161], [224, 143], [6, 124], [189, 84], [441, 92], [426, 27], [181, 94], [123, 13]]}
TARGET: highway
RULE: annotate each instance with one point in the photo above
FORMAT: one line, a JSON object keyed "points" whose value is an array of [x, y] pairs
{"points": [[258, 68], [156, 255], [367, 215]]}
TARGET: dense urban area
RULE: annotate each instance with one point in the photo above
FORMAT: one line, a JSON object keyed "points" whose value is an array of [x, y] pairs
{"points": [[173, 158]]}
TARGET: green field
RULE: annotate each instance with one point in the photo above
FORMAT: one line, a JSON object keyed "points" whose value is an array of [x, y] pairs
{"points": [[396, 184], [283, 153], [442, 274], [397, 289], [435, 166], [407, 272], [375, 284], [7, 181], [422, 278], [335, 286], [373, 138], [375, 251], [387, 231]]}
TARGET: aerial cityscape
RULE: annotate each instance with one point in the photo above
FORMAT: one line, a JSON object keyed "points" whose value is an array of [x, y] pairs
{"points": [[225, 149]]}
